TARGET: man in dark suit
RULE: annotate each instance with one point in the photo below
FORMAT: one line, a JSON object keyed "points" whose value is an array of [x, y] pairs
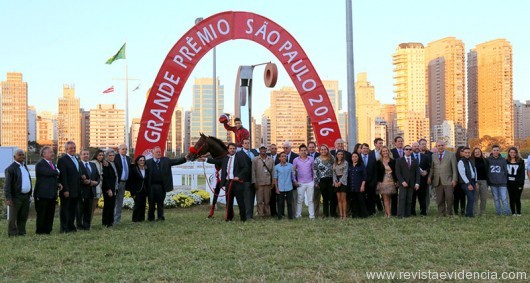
{"points": [[370, 166], [339, 145], [122, 163], [45, 194], [249, 190], [89, 180], [408, 175], [397, 152], [273, 149], [17, 189], [160, 181], [312, 148], [424, 162], [426, 151], [376, 153], [234, 172], [70, 178]]}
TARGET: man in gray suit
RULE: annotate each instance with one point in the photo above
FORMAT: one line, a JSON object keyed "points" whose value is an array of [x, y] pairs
{"points": [[443, 177], [408, 175]]}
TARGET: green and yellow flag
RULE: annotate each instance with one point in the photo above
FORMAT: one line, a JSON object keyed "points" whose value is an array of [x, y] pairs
{"points": [[119, 55]]}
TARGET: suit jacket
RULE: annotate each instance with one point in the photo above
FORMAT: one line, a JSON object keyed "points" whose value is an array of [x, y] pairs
{"points": [[165, 168], [260, 174], [405, 174], [119, 165], [13, 181], [425, 165], [69, 177], [316, 154], [137, 182], [47, 181], [243, 167], [371, 170], [444, 172], [395, 153], [110, 177], [88, 191], [291, 157]]}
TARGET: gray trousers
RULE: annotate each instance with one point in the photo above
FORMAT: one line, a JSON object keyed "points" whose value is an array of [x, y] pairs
{"points": [[119, 202], [480, 194], [404, 201], [444, 200]]}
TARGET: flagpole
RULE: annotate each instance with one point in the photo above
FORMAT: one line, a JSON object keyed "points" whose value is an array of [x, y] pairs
{"points": [[126, 102]]}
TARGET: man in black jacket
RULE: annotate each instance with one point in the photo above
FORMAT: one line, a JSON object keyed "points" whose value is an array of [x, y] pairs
{"points": [[89, 181], [160, 181], [17, 189], [370, 166], [45, 194], [70, 178], [408, 176], [424, 162]]}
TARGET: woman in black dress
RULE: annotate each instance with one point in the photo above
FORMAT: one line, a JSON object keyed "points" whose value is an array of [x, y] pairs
{"points": [[110, 184]]}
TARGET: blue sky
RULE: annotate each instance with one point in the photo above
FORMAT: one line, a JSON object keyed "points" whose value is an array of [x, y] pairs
{"points": [[57, 42]]}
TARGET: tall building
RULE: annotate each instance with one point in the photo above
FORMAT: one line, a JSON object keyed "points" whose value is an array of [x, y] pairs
{"points": [[32, 124], [388, 113], [47, 129], [135, 129], [472, 94], [409, 82], [266, 127], [366, 108], [288, 117], [521, 116], [107, 127], [494, 90], [187, 129], [343, 125], [256, 134], [202, 112], [445, 83], [174, 137], [14, 111], [85, 127], [334, 93], [69, 119]]}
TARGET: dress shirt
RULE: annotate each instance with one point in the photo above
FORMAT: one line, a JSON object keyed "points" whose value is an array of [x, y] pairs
{"points": [[462, 171], [125, 170], [230, 168], [26, 179], [75, 161], [285, 175], [304, 169]]}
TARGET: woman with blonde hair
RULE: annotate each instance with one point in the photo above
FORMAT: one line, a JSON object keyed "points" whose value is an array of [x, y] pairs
{"points": [[386, 178], [340, 181], [323, 167]]}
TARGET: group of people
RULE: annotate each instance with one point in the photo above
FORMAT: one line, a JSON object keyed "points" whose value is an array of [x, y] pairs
{"points": [[356, 184], [80, 182], [360, 183]]}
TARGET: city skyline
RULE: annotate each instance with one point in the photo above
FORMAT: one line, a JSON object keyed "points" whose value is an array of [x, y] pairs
{"points": [[75, 53]]}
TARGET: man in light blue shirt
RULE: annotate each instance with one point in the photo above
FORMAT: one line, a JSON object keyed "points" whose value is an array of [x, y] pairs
{"points": [[283, 181]]}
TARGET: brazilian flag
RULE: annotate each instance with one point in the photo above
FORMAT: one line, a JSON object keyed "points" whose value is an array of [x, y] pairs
{"points": [[119, 55]]}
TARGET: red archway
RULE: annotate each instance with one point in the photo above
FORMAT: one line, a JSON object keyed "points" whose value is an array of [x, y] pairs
{"points": [[212, 31]]}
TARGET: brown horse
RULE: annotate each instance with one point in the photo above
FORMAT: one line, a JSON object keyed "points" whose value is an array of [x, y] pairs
{"points": [[218, 150]]}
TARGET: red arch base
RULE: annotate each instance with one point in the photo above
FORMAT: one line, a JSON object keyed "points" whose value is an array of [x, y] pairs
{"points": [[194, 44]]}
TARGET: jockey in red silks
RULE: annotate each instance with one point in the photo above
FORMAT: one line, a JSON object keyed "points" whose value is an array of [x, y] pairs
{"points": [[240, 132]]}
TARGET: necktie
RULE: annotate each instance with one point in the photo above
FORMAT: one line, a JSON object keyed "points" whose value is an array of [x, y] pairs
{"points": [[51, 164], [408, 161], [400, 151], [440, 157], [75, 163], [125, 167], [88, 168], [365, 160], [418, 157]]}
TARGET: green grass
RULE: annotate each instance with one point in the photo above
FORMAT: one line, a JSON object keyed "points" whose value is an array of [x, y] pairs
{"points": [[188, 247]]}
